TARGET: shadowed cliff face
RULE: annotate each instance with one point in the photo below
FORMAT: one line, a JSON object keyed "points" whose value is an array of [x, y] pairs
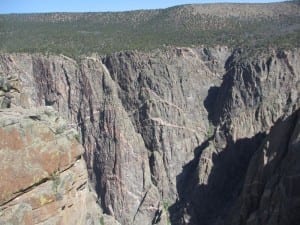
{"points": [[245, 106], [167, 129], [270, 193]]}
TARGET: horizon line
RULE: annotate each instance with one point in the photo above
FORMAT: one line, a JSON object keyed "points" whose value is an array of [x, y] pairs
{"points": [[255, 2]]}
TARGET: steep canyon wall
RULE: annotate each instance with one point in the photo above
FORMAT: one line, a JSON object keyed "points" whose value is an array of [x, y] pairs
{"points": [[168, 135]]}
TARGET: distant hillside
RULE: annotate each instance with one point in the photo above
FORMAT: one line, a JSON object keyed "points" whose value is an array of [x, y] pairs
{"points": [[257, 25]]}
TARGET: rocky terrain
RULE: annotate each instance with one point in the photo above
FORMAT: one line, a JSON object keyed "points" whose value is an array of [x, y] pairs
{"points": [[175, 136], [92, 132], [270, 193], [43, 176]]}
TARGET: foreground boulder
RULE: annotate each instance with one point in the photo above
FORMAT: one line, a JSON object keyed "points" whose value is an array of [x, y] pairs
{"points": [[43, 176]]}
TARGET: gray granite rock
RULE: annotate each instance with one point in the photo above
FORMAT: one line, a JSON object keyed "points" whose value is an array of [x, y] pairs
{"points": [[168, 134]]}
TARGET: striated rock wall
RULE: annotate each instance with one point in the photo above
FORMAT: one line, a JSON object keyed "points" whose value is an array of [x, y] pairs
{"points": [[168, 133]]}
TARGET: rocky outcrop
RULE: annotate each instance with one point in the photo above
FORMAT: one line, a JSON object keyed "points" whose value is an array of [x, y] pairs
{"points": [[169, 133], [43, 176]]}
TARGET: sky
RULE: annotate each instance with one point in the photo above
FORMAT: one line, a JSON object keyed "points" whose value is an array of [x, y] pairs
{"points": [[31, 6]]}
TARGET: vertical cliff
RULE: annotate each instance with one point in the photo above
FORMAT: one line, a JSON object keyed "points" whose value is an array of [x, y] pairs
{"points": [[270, 193], [256, 91], [168, 134]]}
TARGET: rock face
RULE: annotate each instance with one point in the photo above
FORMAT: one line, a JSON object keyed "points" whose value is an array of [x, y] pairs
{"points": [[270, 192], [43, 176], [253, 95], [168, 133]]}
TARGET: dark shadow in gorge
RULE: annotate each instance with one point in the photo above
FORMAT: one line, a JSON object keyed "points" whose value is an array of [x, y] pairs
{"points": [[217, 95], [210, 102], [207, 204]]}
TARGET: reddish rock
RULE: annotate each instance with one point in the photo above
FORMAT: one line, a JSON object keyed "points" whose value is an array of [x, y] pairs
{"points": [[43, 177]]}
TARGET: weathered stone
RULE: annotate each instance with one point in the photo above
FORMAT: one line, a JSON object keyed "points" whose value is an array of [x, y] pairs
{"points": [[271, 193], [168, 133], [43, 177], [256, 91]]}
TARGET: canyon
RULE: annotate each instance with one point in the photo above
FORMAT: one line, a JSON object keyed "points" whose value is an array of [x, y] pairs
{"points": [[188, 115], [180, 135]]}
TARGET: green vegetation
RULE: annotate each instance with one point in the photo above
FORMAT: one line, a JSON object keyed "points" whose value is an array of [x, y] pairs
{"points": [[56, 180], [75, 34], [101, 221], [166, 206], [77, 137], [210, 131], [55, 177]]}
